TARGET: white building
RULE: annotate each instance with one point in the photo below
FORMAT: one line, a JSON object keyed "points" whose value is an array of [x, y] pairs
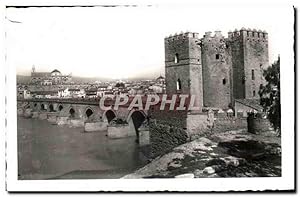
{"points": [[64, 93]]}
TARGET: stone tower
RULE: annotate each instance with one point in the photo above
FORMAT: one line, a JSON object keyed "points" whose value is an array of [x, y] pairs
{"points": [[183, 66], [216, 68], [249, 54]]}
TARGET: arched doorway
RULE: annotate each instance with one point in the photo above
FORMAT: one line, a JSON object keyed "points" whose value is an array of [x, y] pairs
{"points": [[110, 115], [88, 113], [72, 113]]}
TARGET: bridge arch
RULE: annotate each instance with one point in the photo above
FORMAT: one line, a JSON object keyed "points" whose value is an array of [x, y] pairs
{"points": [[42, 107], [60, 107], [26, 106], [89, 112], [140, 112], [51, 108], [137, 117], [72, 112], [109, 115]]}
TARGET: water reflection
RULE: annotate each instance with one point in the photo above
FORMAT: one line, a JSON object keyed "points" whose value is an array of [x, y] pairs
{"points": [[48, 151]]}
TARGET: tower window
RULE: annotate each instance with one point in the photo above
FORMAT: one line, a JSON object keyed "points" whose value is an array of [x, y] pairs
{"points": [[224, 81], [178, 85], [176, 58], [217, 56], [252, 74], [254, 93]]}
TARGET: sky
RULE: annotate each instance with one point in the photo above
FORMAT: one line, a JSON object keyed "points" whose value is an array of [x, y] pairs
{"points": [[120, 42]]}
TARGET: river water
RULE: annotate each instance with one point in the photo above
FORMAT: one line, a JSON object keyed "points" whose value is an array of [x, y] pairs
{"points": [[47, 151]]}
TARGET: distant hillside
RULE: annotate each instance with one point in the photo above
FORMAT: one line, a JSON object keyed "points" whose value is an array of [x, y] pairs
{"points": [[77, 79], [23, 79]]}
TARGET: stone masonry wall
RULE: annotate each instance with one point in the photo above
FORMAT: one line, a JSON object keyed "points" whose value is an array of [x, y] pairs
{"points": [[164, 138], [216, 71], [258, 124], [235, 44], [227, 124], [177, 70], [197, 124], [249, 49], [183, 65], [167, 130], [256, 59]]}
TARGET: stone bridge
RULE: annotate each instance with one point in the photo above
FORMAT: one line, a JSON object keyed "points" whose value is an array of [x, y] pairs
{"points": [[168, 128], [87, 114]]}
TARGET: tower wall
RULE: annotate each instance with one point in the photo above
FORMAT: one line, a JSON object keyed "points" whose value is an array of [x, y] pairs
{"points": [[216, 71], [249, 49], [256, 59], [237, 58], [183, 65]]}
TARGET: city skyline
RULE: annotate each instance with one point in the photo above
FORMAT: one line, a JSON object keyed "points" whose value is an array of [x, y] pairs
{"points": [[125, 46]]}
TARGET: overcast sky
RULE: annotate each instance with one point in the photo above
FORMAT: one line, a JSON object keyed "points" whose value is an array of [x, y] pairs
{"points": [[119, 42]]}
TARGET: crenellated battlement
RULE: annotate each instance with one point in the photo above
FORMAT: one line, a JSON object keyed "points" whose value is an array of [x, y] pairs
{"points": [[232, 35], [208, 34], [181, 36], [247, 33]]}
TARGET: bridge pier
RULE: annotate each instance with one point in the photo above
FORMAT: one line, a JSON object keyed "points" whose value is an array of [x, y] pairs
{"points": [[28, 113], [20, 112], [72, 122], [144, 136], [52, 117], [35, 114], [62, 120], [95, 126], [43, 115], [119, 131]]}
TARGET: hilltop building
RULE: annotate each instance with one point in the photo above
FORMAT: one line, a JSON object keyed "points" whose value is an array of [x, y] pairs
{"points": [[49, 78]]}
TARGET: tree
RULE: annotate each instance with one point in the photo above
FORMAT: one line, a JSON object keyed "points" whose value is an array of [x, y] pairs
{"points": [[270, 95]]}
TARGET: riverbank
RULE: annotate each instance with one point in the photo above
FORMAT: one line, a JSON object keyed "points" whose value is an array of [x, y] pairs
{"points": [[228, 154]]}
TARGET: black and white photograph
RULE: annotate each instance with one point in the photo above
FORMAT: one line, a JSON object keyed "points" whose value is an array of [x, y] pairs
{"points": [[149, 97]]}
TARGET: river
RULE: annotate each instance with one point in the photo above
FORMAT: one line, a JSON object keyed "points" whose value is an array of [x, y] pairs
{"points": [[47, 151]]}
